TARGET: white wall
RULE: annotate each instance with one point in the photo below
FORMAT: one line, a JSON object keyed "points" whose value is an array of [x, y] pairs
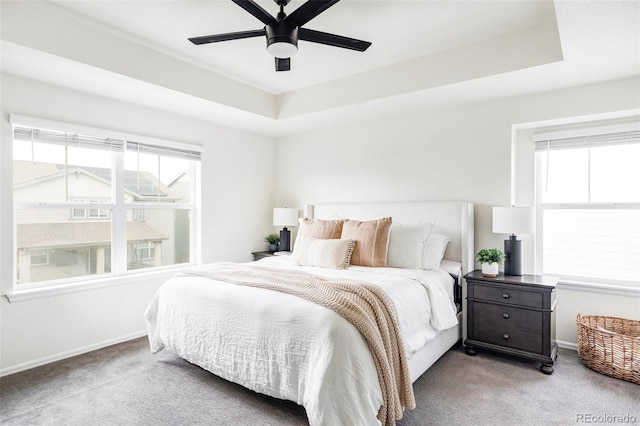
{"points": [[237, 197], [461, 154]]}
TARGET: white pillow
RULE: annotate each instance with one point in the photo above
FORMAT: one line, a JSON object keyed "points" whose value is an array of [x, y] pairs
{"points": [[434, 251], [329, 254], [407, 244]]}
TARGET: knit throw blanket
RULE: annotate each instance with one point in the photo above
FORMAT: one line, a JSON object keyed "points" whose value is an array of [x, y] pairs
{"points": [[363, 304]]}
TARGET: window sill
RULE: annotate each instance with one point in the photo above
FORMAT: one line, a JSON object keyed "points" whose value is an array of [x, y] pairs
{"points": [[612, 289], [42, 292]]}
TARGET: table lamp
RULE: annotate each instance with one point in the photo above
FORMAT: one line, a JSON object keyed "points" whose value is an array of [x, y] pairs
{"points": [[513, 220], [285, 217]]}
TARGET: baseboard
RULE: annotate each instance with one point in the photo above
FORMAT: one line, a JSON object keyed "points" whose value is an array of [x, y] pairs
{"points": [[567, 345], [68, 354]]}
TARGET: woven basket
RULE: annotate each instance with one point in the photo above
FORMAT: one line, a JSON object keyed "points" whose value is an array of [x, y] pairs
{"points": [[610, 346]]}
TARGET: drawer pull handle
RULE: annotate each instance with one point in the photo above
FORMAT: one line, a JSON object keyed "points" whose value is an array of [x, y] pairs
{"points": [[505, 336], [505, 315], [505, 295]]}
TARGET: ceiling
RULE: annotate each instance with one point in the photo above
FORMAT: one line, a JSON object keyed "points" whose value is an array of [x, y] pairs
{"points": [[399, 30], [424, 53]]}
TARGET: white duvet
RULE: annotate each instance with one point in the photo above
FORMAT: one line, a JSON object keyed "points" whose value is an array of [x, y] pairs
{"points": [[289, 348]]}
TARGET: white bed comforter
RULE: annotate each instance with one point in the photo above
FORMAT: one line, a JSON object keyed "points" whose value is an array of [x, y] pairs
{"points": [[289, 348]]}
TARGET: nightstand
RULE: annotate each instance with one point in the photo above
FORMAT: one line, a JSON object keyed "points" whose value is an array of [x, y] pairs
{"points": [[513, 315], [257, 255]]}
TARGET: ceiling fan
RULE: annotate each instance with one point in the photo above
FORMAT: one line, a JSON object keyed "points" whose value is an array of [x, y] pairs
{"points": [[284, 31]]}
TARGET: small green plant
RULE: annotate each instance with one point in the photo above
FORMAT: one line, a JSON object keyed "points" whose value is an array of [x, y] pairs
{"points": [[272, 238], [491, 255]]}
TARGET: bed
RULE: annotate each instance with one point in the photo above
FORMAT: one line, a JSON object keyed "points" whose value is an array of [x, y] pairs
{"points": [[288, 347]]}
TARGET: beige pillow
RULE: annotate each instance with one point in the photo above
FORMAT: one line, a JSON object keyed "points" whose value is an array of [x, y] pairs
{"points": [[321, 229], [330, 254], [372, 241], [318, 228]]}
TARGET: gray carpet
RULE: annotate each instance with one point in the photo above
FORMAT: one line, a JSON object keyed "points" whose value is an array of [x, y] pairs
{"points": [[126, 385]]}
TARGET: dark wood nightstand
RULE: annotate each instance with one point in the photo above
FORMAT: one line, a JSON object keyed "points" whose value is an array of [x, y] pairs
{"points": [[513, 315], [257, 255]]}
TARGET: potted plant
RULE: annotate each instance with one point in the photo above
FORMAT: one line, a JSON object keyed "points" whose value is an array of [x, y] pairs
{"points": [[491, 259], [273, 240]]}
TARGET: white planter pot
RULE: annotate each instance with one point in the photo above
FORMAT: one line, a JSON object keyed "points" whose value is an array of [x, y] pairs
{"points": [[490, 269]]}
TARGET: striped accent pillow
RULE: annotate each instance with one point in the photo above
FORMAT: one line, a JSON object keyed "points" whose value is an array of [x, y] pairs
{"points": [[330, 254], [372, 241]]}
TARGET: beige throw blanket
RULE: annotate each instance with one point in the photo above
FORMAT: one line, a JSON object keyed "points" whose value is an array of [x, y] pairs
{"points": [[363, 304]]}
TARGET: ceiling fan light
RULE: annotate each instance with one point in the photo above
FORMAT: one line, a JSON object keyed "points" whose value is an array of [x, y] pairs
{"points": [[282, 49], [282, 39]]}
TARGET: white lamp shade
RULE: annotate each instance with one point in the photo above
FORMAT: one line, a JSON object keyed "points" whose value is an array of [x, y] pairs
{"points": [[514, 220], [285, 217]]}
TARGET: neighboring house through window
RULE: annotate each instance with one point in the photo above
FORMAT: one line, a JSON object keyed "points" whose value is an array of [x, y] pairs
{"points": [[90, 205]]}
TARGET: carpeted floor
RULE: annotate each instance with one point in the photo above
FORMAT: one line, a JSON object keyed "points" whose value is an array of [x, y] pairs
{"points": [[126, 385]]}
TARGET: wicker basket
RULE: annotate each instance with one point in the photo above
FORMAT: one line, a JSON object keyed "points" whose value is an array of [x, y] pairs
{"points": [[610, 346]]}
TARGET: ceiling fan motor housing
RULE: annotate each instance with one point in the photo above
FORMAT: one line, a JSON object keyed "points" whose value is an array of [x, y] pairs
{"points": [[282, 32]]}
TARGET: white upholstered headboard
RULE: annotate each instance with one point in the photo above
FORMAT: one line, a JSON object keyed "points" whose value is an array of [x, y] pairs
{"points": [[452, 218]]}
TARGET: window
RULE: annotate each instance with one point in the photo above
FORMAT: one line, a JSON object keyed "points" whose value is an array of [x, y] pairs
{"points": [[98, 213], [588, 195], [90, 206], [39, 257], [138, 215], [78, 213], [146, 251]]}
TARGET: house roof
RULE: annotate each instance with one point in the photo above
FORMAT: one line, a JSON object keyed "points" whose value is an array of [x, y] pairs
{"points": [[79, 234], [27, 171], [139, 184]]}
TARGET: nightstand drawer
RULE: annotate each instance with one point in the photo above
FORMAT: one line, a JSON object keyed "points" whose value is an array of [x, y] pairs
{"points": [[511, 295], [508, 337], [507, 316]]}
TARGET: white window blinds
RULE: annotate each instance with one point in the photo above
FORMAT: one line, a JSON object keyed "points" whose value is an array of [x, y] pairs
{"points": [[31, 134], [146, 148], [590, 141]]}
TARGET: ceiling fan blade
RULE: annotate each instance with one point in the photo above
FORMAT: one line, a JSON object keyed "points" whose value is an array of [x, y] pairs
{"points": [[332, 40], [226, 36], [309, 10], [255, 9], [283, 64]]}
